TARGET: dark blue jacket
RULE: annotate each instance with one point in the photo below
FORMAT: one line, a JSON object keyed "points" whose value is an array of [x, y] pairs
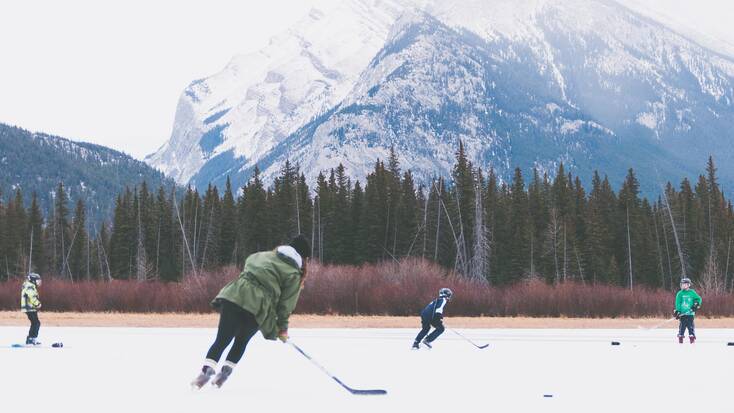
{"points": [[434, 310]]}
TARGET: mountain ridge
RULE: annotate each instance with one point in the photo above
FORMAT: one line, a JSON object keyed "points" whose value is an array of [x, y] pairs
{"points": [[37, 162], [655, 95]]}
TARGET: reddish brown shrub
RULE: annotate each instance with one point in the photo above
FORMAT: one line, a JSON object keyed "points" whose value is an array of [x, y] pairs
{"points": [[389, 288]]}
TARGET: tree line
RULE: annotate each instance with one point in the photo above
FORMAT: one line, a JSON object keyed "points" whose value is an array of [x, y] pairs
{"points": [[476, 224]]}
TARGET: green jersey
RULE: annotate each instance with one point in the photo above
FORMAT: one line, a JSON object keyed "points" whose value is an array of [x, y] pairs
{"points": [[684, 301]]}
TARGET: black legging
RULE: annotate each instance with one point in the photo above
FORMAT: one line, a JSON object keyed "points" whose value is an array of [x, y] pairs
{"points": [[234, 322], [426, 326], [35, 324]]}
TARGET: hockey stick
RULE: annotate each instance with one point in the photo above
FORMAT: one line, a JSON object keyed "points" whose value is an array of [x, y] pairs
{"points": [[473, 343], [349, 389], [657, 325]]}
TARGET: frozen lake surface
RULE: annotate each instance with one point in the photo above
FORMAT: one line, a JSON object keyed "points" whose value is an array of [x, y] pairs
{"points": [[149, 369]]}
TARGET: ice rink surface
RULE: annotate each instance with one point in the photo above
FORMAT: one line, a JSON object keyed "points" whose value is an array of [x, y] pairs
{"points": [[148, 370]]}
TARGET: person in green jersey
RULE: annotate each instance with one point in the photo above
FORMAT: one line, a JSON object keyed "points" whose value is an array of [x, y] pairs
{"points": [[687, 301]]}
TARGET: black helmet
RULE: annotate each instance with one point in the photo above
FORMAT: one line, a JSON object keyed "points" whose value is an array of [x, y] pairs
{"points": [[445, 293], [34, 278], [685, 281]]}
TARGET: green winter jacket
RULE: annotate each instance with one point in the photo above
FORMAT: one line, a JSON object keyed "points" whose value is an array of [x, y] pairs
{"points": [[268, 288], [29, 301], [684, 301]]}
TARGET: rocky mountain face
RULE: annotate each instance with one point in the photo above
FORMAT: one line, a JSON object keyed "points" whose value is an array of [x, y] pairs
{"points": [[527, 83]]}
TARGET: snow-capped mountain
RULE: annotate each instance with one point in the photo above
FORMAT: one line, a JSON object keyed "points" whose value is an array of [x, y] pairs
{"points": [[234, 118], [522, 83]]}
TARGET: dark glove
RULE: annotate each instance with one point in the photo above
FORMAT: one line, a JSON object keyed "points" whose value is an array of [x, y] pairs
{"points": [[695, 307], [676, 314]]}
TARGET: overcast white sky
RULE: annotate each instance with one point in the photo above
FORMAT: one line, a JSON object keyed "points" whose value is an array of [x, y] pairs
{"points": [[111, 72]]}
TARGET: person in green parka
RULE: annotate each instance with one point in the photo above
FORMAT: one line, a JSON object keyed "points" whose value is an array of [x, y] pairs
{"points": [[261, 298], [687, 301]]}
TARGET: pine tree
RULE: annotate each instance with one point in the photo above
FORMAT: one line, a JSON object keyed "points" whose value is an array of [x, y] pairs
{"points": [[342, 249], [167, 248], [409, 208], [16, 240], [519, 242], [375, 222], [254, 226], [464, 204], [228, 227], [3, 240], [78, 259], [35, 228], [60, 231], [122, 237], [357, 213], [210, 229]]}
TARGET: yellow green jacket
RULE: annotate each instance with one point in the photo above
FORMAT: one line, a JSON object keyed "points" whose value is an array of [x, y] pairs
{"points": [[29, 301], [268, 288]]}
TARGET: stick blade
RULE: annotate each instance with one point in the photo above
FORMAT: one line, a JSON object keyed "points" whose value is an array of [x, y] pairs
{"points": [[375, 392], [483, 347]]}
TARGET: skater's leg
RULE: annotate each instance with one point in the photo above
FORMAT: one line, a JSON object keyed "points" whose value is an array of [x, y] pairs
{"points": [[691, 328], [425, 327], [35, 324], [245, 331], [247, 328], [681, 329], [228, 323], [438, 324]]}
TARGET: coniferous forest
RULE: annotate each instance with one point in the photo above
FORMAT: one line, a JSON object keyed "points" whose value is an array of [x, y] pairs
{"points": [[534, 227]]}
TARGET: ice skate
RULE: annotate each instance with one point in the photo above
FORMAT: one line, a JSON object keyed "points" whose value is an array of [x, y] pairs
{"points": [[32, 341], [206, 373], [222, 376]]}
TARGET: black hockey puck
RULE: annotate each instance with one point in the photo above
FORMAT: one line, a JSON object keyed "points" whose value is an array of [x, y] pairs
{"points": [[615, 343], [731, 343], [548, 395], [57, 345]]}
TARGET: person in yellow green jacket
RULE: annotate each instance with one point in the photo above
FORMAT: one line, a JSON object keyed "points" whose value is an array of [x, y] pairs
{"points": [[687, 302], [261, 298], [30, 303]]}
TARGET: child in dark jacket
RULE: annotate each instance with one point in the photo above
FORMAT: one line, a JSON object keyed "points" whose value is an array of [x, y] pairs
{"points": [[432, 316]]}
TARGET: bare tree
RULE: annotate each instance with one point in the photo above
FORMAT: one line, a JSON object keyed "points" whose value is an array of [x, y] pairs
{"points": [[183, 233], [554, 230], [480, 259], [675, 232]]}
